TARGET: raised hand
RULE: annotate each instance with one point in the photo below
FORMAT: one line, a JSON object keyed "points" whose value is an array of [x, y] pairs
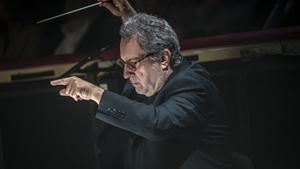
{"points": [[120, 8]]}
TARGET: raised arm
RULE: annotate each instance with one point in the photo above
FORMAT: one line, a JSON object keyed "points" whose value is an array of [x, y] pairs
{"points": [[120, 8]]}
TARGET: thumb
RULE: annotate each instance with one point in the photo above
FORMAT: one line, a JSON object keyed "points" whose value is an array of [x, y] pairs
{"points": [[62, 92]]}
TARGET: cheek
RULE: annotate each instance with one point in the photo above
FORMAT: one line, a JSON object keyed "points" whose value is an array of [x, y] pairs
{"points": [[151, 74], [142, 76], [147, 74]]}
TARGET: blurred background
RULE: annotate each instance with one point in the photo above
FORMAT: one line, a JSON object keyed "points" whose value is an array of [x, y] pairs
{"points": [[21, 37], [250, 47]]}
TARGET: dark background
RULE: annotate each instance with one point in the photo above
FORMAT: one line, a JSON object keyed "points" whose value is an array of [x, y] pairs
{"points": [[22, 38], [40, 129]]}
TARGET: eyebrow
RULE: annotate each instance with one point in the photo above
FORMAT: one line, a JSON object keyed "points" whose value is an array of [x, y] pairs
{"points": [[135, 58]]}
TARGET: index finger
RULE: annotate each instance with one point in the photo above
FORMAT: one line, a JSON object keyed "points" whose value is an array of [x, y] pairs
{"points": [[63, 81]]}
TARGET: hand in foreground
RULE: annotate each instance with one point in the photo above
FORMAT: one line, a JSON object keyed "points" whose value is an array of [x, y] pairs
{"points": [[120, 8], [78, 89]]}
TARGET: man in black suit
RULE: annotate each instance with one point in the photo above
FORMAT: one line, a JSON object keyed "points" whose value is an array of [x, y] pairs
{"points": [[170, 106]]}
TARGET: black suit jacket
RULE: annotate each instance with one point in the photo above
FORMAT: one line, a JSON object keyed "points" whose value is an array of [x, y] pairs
{"points": [[182, 122]]}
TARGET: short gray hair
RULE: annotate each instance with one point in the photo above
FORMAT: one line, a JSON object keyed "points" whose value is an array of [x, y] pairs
{"points": [[154, 34]]}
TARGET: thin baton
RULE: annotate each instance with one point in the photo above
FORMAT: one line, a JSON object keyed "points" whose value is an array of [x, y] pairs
{"points": [[67, 13]]}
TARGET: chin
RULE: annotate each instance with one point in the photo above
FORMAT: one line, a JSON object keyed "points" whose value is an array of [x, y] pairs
{"points": [[140, 91], [144, 92]]}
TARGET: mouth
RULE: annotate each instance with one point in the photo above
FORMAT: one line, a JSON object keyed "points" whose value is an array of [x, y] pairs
{"points": [[134, 83]]}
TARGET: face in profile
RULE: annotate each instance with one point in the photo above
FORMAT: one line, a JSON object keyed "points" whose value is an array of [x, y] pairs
{"points": [[144, 74]]}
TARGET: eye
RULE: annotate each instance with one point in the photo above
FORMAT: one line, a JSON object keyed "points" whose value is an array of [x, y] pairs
{"points": [[131, 65]]}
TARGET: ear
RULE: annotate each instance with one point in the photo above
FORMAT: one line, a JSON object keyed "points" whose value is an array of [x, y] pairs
{"points": [[165, 59]]}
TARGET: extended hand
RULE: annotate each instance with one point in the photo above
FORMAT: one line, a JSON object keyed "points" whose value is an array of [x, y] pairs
{"points": [[78, 89]]}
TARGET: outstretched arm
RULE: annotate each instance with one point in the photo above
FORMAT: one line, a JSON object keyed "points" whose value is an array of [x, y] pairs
{"points": [[120, 8], [79, 89]]}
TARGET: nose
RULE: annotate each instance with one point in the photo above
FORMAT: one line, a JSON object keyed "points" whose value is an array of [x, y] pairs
{"points": [[127, 72]]}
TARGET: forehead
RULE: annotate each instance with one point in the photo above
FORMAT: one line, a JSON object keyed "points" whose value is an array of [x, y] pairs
{"points": [[130, 48]]}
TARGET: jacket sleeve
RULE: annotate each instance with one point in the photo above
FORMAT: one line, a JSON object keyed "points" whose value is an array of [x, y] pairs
{"points": [[181, 110]]}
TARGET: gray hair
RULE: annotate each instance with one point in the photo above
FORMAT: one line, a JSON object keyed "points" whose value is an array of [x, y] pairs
{"points": [[154, 34]]}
